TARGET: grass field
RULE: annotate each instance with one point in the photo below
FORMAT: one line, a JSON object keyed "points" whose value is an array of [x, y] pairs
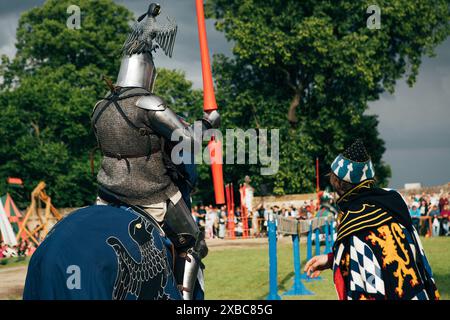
{"points": [[13, 262], [242, 273]]}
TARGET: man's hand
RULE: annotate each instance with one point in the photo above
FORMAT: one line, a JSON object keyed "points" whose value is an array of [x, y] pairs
{"points": [[317, 264]]}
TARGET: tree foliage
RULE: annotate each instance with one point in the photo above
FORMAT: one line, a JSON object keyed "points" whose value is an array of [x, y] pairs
{"points": [[308, 68], [50, 88], [311, 67]]}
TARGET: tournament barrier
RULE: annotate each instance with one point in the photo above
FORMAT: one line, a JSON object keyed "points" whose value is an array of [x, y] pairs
{"points": [[313, 229]]}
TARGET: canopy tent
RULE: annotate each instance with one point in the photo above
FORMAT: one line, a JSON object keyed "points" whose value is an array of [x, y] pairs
{"points": [[6, 230], [12, 212]]}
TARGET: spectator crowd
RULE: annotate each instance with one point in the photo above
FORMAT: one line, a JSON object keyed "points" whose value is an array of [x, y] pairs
{"points": [[430, 213], [24, 248], [216, 222]]}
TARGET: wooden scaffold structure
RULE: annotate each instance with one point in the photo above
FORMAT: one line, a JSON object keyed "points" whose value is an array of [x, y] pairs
{"points": [[41, 207]]}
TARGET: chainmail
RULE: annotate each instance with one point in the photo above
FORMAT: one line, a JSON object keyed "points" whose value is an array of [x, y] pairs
{"points": [[139, 180]]}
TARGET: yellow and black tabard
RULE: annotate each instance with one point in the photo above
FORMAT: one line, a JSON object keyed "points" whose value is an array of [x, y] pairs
{"points": [[377, 253]]}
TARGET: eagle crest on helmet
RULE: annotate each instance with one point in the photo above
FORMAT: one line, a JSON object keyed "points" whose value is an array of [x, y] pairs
{"points": [[147, 35]]}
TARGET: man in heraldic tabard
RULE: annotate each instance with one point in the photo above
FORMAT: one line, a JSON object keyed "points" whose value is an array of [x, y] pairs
{"points": [[377, 254]]}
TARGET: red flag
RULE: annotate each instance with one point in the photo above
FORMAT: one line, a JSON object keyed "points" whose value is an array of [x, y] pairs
{"points": [[15, 181]]}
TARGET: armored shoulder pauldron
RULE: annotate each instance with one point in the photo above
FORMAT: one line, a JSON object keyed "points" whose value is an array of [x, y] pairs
{"points": [[151, 103]]}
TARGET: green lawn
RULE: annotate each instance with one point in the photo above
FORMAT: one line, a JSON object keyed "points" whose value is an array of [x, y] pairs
{"points": [[438, 254], [13, 262], [242, 273]]}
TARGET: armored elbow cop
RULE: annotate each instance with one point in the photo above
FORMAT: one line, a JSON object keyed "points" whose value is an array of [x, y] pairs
{"points": [[183, 230], [211, 119]]}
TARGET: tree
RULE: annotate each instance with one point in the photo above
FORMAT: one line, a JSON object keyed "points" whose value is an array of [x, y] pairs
{"points": [[310, 68], [50, 88], [178, 93]]}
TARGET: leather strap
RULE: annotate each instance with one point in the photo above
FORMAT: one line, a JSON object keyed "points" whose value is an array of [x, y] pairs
{"points": [[112, 100]]}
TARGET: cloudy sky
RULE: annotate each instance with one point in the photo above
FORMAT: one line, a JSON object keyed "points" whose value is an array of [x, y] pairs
{"points": [[414, 122]]}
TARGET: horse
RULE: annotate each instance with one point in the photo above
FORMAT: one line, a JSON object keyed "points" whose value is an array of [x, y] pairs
{"points": [[102, 252]]}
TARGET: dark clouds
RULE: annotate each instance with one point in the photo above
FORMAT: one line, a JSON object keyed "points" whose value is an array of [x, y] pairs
{"points": [[414, 122], [17, 6], [8, 24], [10, 11]]}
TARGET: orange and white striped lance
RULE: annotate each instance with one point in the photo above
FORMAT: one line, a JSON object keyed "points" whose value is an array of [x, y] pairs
{"points": [[210, 104]]}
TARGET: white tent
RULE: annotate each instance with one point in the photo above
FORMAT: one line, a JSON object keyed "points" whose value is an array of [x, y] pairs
{"points": [[6, 230]]}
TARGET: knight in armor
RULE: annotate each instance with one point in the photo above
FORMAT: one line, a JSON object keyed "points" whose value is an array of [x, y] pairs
{"points": [[133, 129]]}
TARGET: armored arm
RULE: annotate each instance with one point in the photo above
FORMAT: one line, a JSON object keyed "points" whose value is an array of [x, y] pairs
{"points": [[165, 122]]}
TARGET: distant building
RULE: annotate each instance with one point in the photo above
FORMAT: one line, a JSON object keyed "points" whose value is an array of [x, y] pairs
{"points": [[413, 186]]}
